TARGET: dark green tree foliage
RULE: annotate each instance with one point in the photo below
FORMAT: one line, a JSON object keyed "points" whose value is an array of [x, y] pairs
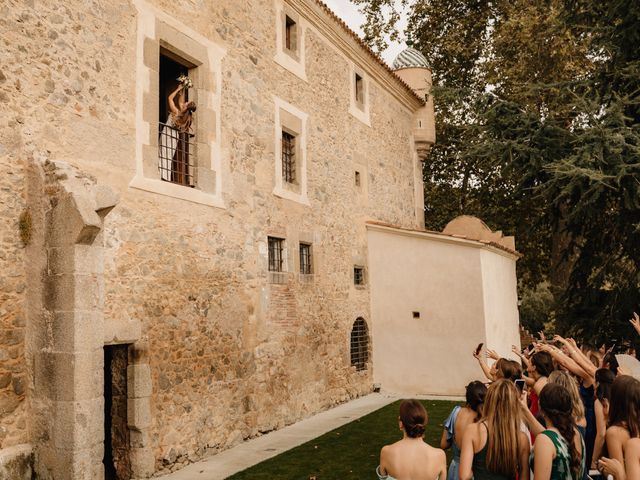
{"points": [[538, 133]]}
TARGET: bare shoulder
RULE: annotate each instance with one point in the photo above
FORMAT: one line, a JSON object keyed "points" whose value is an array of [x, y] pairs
{"points": [[617, 432], [633, 447]]}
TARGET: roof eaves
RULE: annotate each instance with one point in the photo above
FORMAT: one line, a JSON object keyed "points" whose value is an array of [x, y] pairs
{"points": [[368, 49]]}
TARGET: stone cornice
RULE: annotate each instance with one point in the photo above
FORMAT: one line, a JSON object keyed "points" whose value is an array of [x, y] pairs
{"points": [[342, 37]]}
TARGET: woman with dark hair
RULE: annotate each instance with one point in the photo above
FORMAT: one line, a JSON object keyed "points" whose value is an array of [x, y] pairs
{"points": [[494, 448], [559, 451], [631, 468], [604, 380], [457, 422], [541, 368], [624, 415], [412, 458]]}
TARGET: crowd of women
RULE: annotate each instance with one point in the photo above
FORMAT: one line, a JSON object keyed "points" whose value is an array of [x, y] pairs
{"points": [[562, 413]]}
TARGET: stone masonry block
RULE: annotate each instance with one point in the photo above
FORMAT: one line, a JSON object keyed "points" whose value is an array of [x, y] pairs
{"points": [[151, 54], [139, 438], [78, 425], [206, 180], [139, 381], [15, 462], [142, 462], [150, 106], [105, 199], [139, 413], [78, 258], [77, 331], [150, 161], [70, 376], [74, 220], [69, 292], [118, 332]]}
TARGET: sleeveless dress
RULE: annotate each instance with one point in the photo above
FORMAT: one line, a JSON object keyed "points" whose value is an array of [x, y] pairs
{"points": [[561, 466], [588, 399], [450, 426], [168, 144], [479, 466]]}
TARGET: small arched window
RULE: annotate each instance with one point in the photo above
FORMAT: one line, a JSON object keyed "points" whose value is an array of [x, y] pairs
{"points": [[359, 344]]}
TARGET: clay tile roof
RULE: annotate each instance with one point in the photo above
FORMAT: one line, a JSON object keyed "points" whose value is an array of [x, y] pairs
{"points": [[432, 232], [366, 47]]}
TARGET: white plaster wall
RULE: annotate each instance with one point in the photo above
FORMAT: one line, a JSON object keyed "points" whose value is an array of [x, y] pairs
{"points": [[499, 285], [443, 279]]}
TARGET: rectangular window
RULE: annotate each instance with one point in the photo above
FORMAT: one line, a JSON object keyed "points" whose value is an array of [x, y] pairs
{"points": [[176, 142], [359, 91], [276, 260], [290, 40], [288, 157], [357, 178], [358, 275], [305, 259]]}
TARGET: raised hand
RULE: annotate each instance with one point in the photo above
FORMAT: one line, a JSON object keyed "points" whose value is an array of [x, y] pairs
{"points": [[558, 338], [492, 354], [635, 321]]}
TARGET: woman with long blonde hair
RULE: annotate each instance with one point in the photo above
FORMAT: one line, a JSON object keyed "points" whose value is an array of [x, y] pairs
{"points": [[564, 378], [495, 448]]}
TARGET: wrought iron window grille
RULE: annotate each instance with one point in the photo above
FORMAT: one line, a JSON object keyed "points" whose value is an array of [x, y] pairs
{"points": [[176, 155]]}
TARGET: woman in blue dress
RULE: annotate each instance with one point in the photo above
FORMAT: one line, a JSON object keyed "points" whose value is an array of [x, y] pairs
{"points": [[457, 422]]}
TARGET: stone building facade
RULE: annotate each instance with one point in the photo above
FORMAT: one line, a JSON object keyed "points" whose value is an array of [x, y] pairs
{"points": [[148, 320]]}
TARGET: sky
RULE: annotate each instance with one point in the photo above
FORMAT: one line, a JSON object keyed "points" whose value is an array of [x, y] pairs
{"points": [[350, 14]]}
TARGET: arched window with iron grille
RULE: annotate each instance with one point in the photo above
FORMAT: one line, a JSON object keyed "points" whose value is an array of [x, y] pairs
{"points": [[359, 344]]}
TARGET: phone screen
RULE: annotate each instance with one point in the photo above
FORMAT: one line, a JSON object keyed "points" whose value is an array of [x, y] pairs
{"points": [[478, 348], [520, 384]]}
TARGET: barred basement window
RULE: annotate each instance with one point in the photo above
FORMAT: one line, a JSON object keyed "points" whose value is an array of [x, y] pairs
{"points": [[358, 275], [305, 259], [359, 344], [288, 157], [276, 260]]}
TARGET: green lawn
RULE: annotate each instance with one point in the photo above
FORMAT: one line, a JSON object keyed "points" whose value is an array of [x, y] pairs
{"points": [[350, 452]]}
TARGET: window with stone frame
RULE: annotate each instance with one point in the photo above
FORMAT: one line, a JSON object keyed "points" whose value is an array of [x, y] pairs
{"points": [[359, 344], [306, 263], [176, 142], [359, 94], [290, 47], [276, 254], [358, 275], [290, 35], [288, 157], [359, 91], [290, 153]]}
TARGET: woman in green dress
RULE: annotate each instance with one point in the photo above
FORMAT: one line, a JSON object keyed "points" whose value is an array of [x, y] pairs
{"points": [[558, 452]]}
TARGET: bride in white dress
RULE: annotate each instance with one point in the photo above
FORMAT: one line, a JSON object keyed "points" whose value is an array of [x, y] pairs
{"points": [[178, 124]]}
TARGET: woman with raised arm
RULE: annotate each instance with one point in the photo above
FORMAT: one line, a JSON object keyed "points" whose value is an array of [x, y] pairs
{"points": [[457, 422], [541, 368], [604, 380], [173, 134], [494, 448], [624, 415], [559, 451], [412, 458]]}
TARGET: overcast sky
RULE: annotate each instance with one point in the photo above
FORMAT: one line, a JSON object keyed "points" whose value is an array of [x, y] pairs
{"points": [[350, 14]]}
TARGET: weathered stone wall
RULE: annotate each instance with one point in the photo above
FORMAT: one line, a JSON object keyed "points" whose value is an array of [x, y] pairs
{"points": [[14, 220], [231, 355]]}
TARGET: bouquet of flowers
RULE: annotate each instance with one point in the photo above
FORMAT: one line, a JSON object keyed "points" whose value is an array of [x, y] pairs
{"points": [[185, 81]]}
